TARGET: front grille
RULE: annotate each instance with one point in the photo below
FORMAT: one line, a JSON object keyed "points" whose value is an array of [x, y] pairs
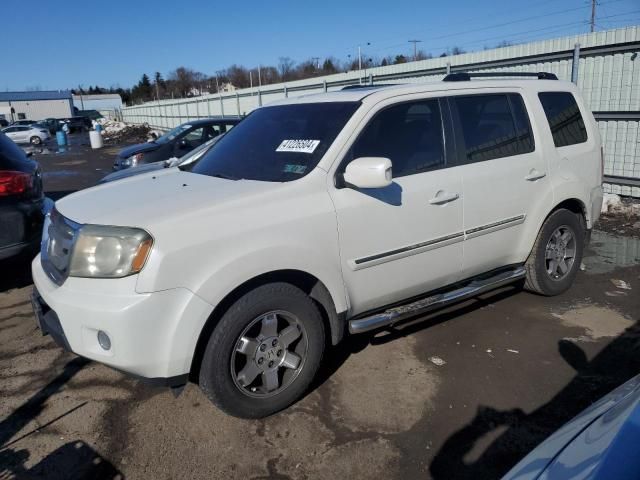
{"points": [[57, 246]]}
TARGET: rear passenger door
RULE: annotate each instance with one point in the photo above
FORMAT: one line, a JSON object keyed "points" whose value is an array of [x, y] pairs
{"points": [[506, 186]]}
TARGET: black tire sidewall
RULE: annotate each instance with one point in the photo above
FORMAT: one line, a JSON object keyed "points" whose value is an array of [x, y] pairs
{"points": [[35, 140], [555, 220], [215, 371]]}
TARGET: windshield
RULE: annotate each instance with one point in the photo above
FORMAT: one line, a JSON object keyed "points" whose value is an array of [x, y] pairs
{"points": [[171, 134], [277, 144]]}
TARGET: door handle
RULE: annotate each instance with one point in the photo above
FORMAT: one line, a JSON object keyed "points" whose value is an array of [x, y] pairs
{"points": [[443, 197], [535, 175]]}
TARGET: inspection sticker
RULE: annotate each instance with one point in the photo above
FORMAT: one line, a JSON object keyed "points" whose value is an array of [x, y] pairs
{"points": [[298, 146]]}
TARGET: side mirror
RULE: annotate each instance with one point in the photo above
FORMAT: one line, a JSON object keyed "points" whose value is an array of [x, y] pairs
{"points": [[368, 172]]}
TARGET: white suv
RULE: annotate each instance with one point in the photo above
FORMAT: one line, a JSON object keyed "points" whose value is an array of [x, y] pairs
{"points": [[318, 215]]}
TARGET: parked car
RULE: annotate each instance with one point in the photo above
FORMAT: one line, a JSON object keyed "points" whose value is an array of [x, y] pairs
{"points": [[23, 122], [33, 134], [3, 123], [320, 215], [601, 443], [76, 124], [186, 161], [21, 200], [175, 143]]}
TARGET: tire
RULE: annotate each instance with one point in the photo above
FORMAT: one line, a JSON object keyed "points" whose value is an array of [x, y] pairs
{"points": [[236, 350], [35, 140], [543, 275]]}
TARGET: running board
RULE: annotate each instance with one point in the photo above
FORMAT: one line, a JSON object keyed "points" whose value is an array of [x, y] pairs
{"points": [[472, 289]]}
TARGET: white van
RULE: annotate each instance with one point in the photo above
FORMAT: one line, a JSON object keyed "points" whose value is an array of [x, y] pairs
{"points": [[317, 216]]}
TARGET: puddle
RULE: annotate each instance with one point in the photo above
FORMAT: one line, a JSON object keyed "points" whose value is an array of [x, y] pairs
{"points": [[607, 252]]}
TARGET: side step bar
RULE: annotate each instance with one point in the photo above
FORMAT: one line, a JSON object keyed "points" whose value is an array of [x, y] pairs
{"points": [[472, 289]]}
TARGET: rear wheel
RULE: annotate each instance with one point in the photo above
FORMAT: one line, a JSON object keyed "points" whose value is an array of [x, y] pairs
{"points": [[35, 140], [264, 352], [557, 254]]}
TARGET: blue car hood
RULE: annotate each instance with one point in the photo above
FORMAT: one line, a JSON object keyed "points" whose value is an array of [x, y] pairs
{"points": [[137, 148], [603, 442]]}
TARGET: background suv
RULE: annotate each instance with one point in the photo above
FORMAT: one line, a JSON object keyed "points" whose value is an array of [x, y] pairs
{"points": [[320, 215]]}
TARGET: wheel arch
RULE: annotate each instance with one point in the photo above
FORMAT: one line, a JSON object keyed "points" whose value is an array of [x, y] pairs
{"points": [[308, 283]]}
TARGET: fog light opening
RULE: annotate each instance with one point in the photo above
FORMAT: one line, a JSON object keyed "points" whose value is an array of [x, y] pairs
{"points": [[104, 340]]}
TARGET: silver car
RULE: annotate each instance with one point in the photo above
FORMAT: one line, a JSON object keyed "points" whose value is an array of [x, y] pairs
{"points": [[33, 134]]}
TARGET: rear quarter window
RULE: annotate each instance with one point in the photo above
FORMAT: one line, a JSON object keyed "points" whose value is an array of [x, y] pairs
{"points": [[11, 156], [564, 117]]}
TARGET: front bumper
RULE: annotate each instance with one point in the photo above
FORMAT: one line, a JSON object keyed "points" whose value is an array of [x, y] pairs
{"points": [[153, 335]]}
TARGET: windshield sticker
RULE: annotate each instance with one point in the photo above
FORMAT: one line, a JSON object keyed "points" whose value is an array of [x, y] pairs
{"points": [[299, 169], [298, 146]]}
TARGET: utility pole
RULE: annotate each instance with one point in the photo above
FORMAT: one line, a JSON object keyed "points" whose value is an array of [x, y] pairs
{"points": [[259, 78], [593, 15], [415, 48], [360, 60]]}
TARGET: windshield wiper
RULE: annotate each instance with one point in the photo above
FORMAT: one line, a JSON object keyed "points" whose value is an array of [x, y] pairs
{"points": [[224, 175]]}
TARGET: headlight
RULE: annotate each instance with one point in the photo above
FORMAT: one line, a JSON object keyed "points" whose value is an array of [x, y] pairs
{"points": [[133, 160], [109, 252]]}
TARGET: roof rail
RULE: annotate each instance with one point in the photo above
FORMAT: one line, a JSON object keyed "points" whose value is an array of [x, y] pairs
{"points": [[466, 76], [364, 86]]}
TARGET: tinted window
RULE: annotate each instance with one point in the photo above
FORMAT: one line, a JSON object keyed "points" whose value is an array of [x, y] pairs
{"points": [[409, 134], [523, 126], [277, 144], [488, 127], [11, 156], [565, 120]]}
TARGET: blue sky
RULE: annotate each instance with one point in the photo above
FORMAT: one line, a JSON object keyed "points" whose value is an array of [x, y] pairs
{"points": [[54, 45]]}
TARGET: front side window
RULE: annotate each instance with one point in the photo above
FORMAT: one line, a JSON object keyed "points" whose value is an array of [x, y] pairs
{"points": [[409, 134], [489, 128], [565, 120], [277, 144]]}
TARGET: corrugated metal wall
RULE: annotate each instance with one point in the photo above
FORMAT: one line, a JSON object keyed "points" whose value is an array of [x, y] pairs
{"points": [[608, 75]]}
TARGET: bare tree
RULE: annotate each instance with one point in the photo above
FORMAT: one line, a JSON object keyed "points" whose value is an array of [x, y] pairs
{"points": [[285, 66]]}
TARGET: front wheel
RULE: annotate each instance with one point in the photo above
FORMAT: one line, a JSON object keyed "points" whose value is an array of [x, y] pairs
{"points": [[35, 140], [264, 352], [557, 254]]}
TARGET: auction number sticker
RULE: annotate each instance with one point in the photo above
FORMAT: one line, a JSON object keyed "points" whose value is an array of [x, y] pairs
{"points": [[298, 146]]}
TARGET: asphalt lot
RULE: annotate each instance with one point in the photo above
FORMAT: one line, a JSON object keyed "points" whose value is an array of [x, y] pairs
{"points": [[464, 393]]}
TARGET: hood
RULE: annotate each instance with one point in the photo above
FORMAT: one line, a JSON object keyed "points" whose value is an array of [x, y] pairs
{"points": [[137, 148], [130, 172], [595, 441], [147, 199]]}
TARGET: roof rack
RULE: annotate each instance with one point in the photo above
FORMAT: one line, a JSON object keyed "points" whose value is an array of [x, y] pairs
{"points": [[466, 76], [364, 86]]}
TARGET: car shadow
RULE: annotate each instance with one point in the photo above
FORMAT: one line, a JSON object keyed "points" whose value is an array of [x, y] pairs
{"points": [[73, 460], [616, 363], [352, 344]]}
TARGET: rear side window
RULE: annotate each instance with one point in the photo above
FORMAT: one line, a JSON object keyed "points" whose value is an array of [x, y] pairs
{"points": [[565, 120], [493, 126], [409, 134], [11, 156]]}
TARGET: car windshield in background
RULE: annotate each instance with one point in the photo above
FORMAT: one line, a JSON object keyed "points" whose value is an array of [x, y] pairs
{"points": [[277, 144], [171, 134]]}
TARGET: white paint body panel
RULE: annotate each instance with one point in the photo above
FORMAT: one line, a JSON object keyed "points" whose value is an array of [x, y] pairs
{"points": [[212, 235]]}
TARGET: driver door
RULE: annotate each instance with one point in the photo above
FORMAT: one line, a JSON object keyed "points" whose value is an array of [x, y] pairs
{"points": [[405, 239]]}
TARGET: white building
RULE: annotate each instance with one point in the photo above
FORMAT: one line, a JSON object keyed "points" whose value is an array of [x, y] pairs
{"points": [[36, 105]]}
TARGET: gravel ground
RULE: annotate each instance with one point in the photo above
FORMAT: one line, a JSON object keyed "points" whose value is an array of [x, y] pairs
{"points": [[464, 393]]}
